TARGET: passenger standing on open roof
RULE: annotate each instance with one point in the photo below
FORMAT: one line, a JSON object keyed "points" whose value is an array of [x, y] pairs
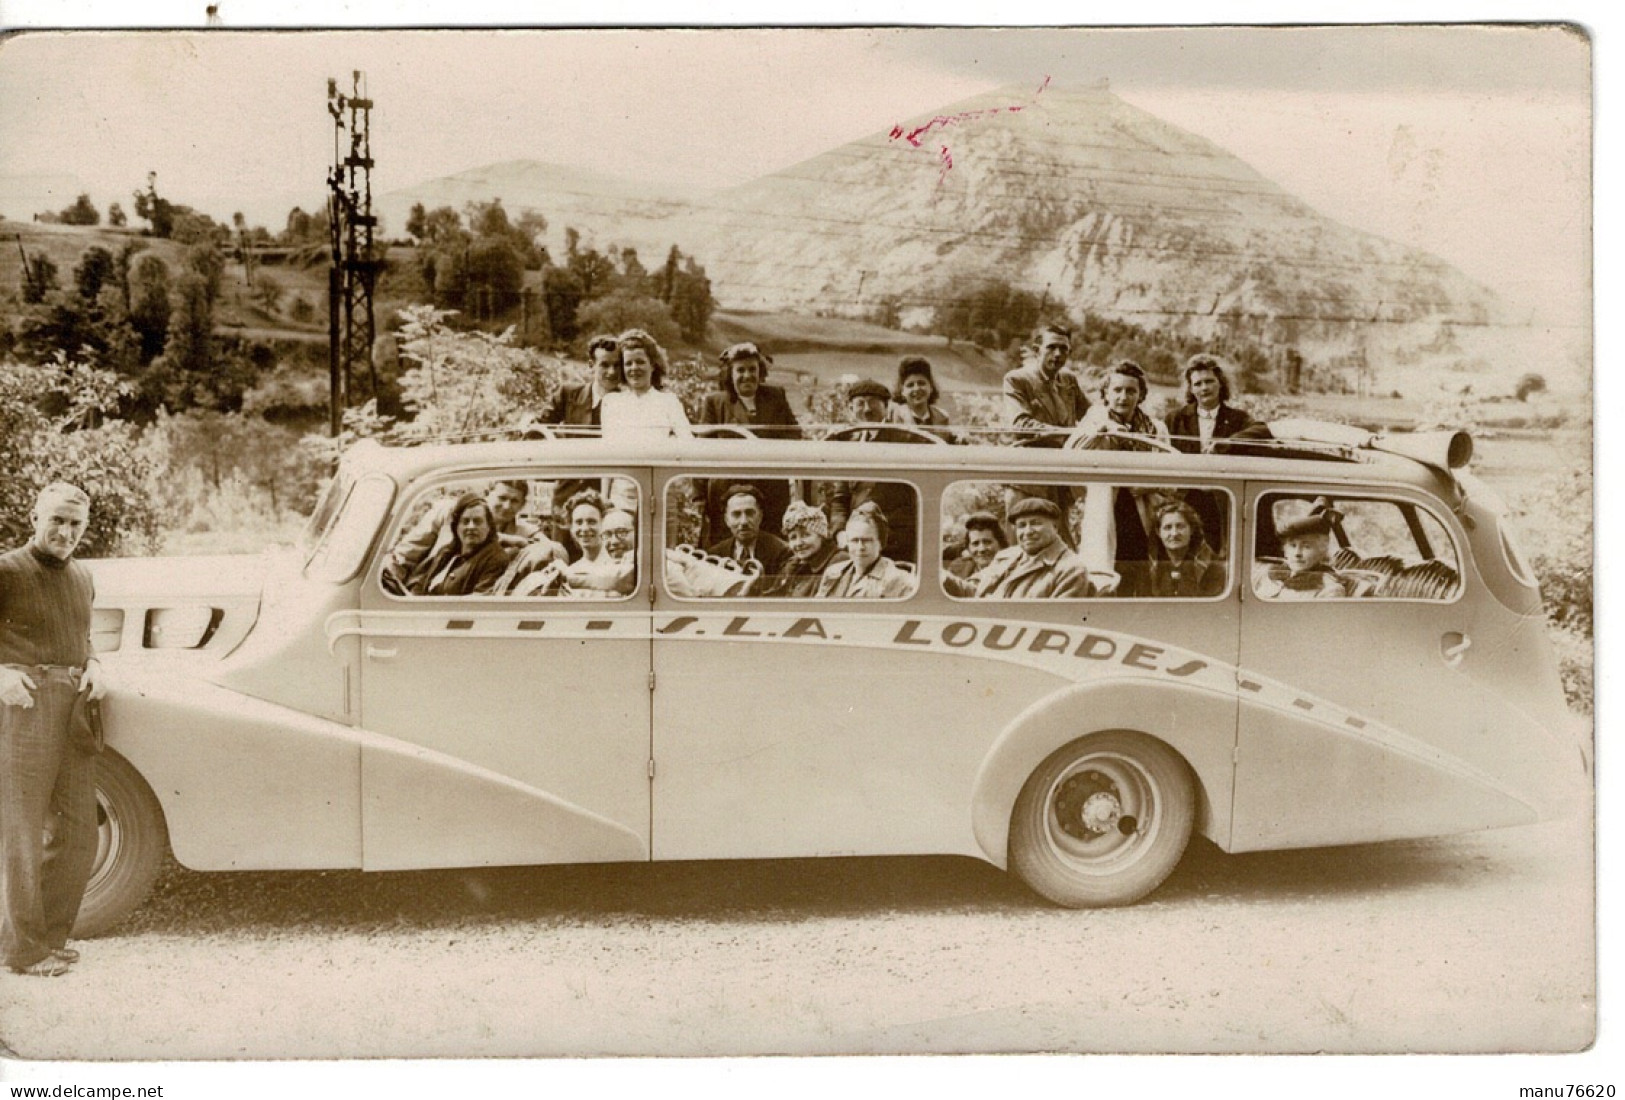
{"points": [[579, 404], [640, 410], [914, 400], [1041, 394], [1207, 417], [743, 396], [1119, 423]]}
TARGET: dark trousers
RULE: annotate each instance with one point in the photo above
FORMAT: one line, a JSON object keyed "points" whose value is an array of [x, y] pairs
{"points": [[47, 819]]}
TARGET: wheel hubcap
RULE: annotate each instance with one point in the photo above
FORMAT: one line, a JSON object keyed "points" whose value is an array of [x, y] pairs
{"points": [[1102, 812]]}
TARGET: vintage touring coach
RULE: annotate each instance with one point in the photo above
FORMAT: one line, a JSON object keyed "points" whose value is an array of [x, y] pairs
{"points": [[693, 710]]}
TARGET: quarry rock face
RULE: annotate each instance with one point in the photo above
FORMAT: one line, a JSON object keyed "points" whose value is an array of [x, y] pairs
{"points": [[1070, 193]]}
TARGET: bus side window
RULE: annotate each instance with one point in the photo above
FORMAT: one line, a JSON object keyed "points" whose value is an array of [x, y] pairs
{"points": [[1085, 540], [1352, 548], [750, 536]]}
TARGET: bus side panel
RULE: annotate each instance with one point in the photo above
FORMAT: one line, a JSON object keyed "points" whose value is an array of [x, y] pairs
{"points": [[1302, 783], [1196, 722], [765, 749], [244, 784]]}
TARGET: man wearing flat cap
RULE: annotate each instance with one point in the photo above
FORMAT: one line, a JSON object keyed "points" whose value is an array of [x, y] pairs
{"points": [[1040, 565], [1306, 572], [47, 744]]}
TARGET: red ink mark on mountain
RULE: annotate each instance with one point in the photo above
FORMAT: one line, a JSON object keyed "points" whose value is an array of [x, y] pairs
{"points": [[916, 136]]}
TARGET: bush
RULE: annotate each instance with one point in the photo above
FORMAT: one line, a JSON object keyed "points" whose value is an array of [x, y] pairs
{"points": [[54, 426]]}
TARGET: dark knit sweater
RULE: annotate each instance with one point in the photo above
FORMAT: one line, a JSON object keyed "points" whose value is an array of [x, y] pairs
{"points": [[44, 609]]}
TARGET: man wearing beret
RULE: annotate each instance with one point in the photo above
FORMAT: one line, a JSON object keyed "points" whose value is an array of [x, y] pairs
{"points": [[1040, 565], [1306, 573], [47, 762]]}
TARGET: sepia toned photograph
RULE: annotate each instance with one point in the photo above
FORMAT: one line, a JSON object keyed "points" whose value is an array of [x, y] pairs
{"points": [[680, 542]]}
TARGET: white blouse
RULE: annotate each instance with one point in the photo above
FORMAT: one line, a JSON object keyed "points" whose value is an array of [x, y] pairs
{"points": [[652, 415]]}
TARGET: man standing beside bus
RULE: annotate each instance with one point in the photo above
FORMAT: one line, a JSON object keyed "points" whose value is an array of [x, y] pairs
{"points": [[47, 762], [1040, 394]]}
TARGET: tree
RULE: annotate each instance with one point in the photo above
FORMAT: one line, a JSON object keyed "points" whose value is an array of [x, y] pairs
{"points": [[39, 278], [620, 310], [82, 212], [115, 216], [158, 212], [150, 305], [55, 424], [561, 298], [96, 269], [691, 303]]}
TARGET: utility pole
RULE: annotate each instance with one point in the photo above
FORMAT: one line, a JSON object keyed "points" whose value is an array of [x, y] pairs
{"points": [[354, 269]]}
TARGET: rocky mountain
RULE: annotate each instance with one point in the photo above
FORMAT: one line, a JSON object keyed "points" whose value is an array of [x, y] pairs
{"points": [[1071, 193]]}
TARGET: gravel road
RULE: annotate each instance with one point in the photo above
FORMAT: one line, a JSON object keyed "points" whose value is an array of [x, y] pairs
{"points": [[1471, 944]]}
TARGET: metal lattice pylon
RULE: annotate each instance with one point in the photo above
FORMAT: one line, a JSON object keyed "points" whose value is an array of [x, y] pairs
{"points": [[355, 266]]}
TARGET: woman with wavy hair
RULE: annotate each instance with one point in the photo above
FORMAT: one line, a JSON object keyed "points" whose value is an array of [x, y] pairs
{"points": [[641, 410]]}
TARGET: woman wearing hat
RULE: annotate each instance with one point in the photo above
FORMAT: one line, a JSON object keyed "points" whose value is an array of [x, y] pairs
{"points": [[1182, 564], [743, 396], [812, 552], [1305, 573], [866, 574]]}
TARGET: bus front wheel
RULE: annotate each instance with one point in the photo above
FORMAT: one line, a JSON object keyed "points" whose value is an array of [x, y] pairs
{"points": [[131, 842], [1103, 820]]}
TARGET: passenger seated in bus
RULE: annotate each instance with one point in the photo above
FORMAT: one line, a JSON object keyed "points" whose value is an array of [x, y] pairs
{"points": [[812, 552], [1040, 565], [471, 562], [641, 410], [614, 568], [620, 533], [539, 568], [866, 405], [433, 531], [746, 541], [577, 404], [1306, 572], [866, 574], [1182, 564], [1118, 423], [984, 537]]}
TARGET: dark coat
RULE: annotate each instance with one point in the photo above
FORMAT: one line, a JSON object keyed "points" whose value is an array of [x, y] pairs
{"points": [[1186, 433], [1198, 576], [772, 551], [772, 419], [572, 405], [799, 581], [476, 574]]}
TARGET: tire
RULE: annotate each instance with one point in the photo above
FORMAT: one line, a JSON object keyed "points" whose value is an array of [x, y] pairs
{"points": [[131, 843], [1103, 820]]}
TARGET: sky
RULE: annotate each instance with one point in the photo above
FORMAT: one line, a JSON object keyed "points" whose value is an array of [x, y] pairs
{"points": [[1470, 142]]}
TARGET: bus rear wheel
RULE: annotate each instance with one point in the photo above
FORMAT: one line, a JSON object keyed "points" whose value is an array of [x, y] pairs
{"points": [[1103, 820], [131, 842]]}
